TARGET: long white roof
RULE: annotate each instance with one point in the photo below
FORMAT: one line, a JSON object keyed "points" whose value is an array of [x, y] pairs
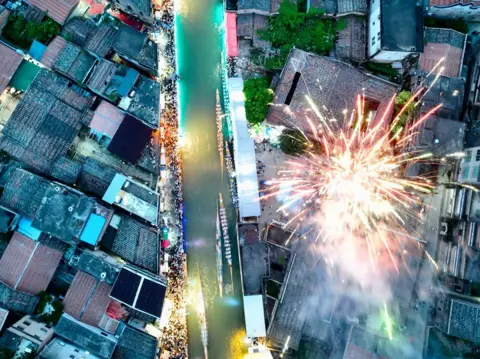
{"points": [[254, 316], [244, 153]]}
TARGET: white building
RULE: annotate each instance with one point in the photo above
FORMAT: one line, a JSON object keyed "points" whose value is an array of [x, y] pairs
{"points": [[470, 166], [460, 9], [395, 29]]}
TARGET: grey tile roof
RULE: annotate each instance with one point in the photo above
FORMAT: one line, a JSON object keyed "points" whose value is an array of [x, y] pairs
{"points": [[262, 5], [46, 120], [351, 43], [101, 40], [66, 170], [74, 62], [464, 320], [444, 36], [95, 177], [135, 46], [77, 30], [137, 243], [16, 300], [341, 7], [330, 83], [23, 192], [135, 344], [85, 336]]}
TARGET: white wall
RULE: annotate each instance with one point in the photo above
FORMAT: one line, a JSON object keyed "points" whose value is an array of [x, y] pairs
{"points": [[390, 56], [470, 166], [374, 28]]}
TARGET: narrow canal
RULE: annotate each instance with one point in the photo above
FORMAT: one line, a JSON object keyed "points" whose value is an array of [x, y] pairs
{"points": [[199, 43]]}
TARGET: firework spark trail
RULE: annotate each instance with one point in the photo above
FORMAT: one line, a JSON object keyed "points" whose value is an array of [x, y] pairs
{"points": [[354, 190]]}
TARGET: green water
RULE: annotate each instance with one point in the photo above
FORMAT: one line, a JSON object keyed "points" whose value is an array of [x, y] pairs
{"points": [[199, 45]]}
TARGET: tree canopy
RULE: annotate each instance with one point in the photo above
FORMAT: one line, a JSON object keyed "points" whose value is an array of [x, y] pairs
{"points": [[305, 31], [21, 32], [293, 142], [257, 98], [400, 101]]}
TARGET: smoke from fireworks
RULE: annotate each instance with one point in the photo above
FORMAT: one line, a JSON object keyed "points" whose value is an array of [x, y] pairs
{"points": [[349, 187]]}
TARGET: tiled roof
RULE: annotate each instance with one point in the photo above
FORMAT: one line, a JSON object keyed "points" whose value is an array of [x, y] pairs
{"points": [[331, 84], [453, 2], [40, 270], [16, 300], [95, 177], [107, 119], [74, 63], [46, 121], [28, 266], [349, 6], [136, 46], [134, 344], [58, 10], [101, 76], [261, 5], [9, 62], [23, 192], [87, 299], [443, 43], [77, 30], [15, 259], [101, 40], [137, 244], [66, 170], [351, 43]]}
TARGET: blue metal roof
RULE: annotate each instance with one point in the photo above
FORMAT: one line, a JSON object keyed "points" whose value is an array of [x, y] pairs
{"points": [[127, 82], [114, 188], [25, 228], [36, 50], [93, 228]]}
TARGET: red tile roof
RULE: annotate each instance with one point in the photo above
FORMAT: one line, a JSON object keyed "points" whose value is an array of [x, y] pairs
{"points": [[58, 10], [40, 270], [9, 62], [97, 304], [432, 54], [27, 265], [15, 258], [52, 51], [78, 294], [87, 299]]}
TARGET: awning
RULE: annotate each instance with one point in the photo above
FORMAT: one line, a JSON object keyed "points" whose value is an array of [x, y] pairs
{"points": [[254, 316], [244, 151], [231, 26]]}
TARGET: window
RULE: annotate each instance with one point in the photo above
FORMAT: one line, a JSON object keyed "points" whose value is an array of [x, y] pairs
{"points": [[465, 172], [72, 356], [475, 172], [373, 23], [104, 334], [76, 350], [468, 156], [379, 36], [44, 330], [27, 323], [477, 156]]}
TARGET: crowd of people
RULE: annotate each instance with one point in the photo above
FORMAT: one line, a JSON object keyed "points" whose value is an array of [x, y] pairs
{"points": [[174, 338]]}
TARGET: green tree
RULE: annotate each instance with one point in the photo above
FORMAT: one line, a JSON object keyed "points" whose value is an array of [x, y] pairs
{"points": [[293, 142], [257, 98], [22, 33], [407, 114], [309, 32], [6, 353]]}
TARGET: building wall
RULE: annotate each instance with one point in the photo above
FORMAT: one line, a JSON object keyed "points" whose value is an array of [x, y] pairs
{"points": [[455, 12], [34, 331], [374, 28], [470, 166], [390, 56]]}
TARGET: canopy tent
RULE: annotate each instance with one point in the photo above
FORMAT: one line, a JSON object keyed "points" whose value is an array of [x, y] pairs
{"points": [[231, 29], [254, 316], [244, 151]]}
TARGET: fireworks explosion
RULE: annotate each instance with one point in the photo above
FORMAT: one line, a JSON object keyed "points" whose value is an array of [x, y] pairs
{"points": [[349, 187]]}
